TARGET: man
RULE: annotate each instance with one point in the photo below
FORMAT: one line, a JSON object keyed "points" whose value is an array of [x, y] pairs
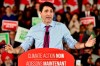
{"points": [[9, 15], [7, 59], [87, 11], [35, 10], [57, 32], [12, 35]]}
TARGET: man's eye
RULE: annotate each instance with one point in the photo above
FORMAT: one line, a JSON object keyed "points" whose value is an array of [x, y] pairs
{"points": [[51, 11], [46, 11]]}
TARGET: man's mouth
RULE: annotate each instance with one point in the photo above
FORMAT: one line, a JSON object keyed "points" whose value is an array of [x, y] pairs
{"points": [[48, 17]]}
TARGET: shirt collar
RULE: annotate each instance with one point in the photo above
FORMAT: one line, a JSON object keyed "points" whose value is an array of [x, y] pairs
{"points": [[52, 24]]}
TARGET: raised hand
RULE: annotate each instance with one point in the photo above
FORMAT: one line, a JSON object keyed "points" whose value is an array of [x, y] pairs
{"points": [[90, 42], [9, 48]]}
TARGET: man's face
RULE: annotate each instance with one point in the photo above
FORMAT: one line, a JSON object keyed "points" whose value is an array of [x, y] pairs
{"points": [[47, 14], [12, 35], [8, 10], [8, 61], [88, 7], [37, 6]]}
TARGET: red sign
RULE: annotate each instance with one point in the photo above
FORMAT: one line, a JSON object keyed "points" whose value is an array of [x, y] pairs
{"points": [[46, 57], [87, 20], [52, 1], [8, 25]]}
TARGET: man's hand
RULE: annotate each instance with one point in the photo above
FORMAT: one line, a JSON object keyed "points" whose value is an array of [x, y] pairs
{"points": [[9, 48], [90, 42]]}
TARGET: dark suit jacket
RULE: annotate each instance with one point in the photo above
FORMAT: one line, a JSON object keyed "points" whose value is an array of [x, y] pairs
{"points": [[16, 44], [82, 14], [34, 13]]}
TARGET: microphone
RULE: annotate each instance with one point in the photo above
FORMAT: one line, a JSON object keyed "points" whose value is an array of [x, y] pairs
{"points": [[47, 33]]}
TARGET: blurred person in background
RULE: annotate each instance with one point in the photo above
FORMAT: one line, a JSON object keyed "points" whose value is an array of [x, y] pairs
{"points": [[88, 32], [74, 26], [59, 17], [15, 44], [81, 33], [75, 53], [20, 19], [98, 51], [68, 9], [2, 46], [97, 22], [27, 19], [97, 63], [90, 50], [7, 59], [12, 35], [94, 7], [67, 18], [4, 56], [9, 15], [2, 49], [87, 11], [97, 45], [2, 13], [15, 11], [35, 10], [86, 60]]}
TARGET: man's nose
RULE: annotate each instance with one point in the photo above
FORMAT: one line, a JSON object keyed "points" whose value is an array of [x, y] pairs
{"points": [[48, 13]]}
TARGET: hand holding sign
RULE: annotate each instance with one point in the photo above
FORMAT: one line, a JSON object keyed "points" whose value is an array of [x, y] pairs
{"points": [[9, 48]]}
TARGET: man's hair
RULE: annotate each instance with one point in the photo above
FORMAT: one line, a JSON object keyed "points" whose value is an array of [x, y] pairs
{"points": [[8, 7], [46, 4], [68, 8], [87, 3]]}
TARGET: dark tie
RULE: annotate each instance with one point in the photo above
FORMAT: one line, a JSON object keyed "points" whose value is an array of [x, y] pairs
{"points": [[46, 38]]}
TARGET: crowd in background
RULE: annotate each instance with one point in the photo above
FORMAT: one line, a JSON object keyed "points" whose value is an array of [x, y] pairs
{"points": [[88, 56]]}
